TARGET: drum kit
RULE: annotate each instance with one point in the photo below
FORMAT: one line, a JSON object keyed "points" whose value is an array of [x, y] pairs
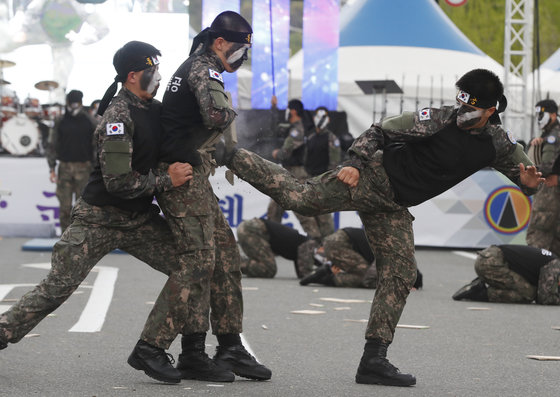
{"points": [[20, 132]]}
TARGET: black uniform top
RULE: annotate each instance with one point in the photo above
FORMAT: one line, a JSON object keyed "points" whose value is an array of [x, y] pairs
{"points": [[526, 261], [420, 170], [194, 107], [284, 240], [317, 157], [74, 137], [127, 158], [359, 242]]}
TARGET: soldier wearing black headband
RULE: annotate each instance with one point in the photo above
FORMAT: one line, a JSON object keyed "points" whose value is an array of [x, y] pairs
{"points": [[116, 211], [196, 112], [398, 163]]}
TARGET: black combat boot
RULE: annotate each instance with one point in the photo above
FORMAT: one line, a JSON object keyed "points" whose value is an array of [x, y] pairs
{"points": [[155, 362], [322, 275], [476, 290], [235, 358], [194, 363], [376, 369]]}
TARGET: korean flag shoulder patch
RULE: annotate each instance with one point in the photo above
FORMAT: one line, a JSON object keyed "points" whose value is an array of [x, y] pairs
{"points": [[510, 137], [424, 114], [115, 128], [216, 75]]}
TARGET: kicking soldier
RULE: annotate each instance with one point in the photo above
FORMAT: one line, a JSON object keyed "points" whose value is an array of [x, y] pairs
{"points": [[401, 162]]}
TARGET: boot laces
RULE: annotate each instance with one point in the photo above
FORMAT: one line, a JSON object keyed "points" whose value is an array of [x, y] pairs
{"points": [[170, 358]]}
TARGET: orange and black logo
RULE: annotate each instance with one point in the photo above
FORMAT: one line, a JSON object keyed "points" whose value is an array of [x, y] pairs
{"points": [[507, 210]]}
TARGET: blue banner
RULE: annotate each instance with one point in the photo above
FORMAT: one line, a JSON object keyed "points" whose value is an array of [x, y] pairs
{"points": [[271, 19], [320, 53]]}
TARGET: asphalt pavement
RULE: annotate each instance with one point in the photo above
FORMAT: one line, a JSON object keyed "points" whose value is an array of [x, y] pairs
{"points": [[463, 348]]}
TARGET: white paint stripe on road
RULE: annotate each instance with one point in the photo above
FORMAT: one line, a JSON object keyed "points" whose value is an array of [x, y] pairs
{"points": [[469, 255], [93, 315]]}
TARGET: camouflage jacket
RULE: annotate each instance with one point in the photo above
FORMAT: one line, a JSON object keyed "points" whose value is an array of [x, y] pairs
{"points": [[292, 145], [412, 126], [550, 149], [115, 136]]}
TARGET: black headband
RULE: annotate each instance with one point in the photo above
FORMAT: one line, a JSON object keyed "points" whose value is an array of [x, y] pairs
{"points": [[234, 37]]}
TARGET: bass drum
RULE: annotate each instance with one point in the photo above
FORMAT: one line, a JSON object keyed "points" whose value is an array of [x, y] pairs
{"points": [[19, 135]]}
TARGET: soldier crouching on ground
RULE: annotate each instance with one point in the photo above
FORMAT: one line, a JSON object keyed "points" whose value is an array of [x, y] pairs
{"points": [[401, 162], [116, 211], [514, 274]]}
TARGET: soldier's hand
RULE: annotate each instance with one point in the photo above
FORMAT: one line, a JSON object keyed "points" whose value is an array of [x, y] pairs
{"points": [[536, 141], [349, 176], [180, 173], [551, 180], [52, 176], [529, 176], [274, 101]]}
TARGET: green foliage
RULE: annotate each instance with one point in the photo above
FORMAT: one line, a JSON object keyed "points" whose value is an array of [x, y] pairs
{"points": [[483, 22]]}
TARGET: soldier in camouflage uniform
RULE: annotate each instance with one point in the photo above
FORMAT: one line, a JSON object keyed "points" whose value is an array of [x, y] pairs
{"points": [[399, 163], [292, 155], [71, 142], [262, 240], [116, 211], [544, 225], [346, 260], [514, 274], [195, 114]]}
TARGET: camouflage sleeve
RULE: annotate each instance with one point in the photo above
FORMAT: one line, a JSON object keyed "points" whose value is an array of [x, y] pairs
{"points": [[115, 134], [212, 100], [364, 147], [50, 150], [334, 151], [550, 153], [508, 157], [294, 140]]}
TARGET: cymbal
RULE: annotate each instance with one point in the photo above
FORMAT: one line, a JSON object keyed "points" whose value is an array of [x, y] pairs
{"points": [[4, 82], [6, 64], [46, 85]]}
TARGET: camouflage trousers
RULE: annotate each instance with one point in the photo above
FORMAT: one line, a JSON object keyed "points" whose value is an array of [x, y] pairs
{"points": [[507, 286], [388, 226], [93, 233], [504, 285], [544, 225], [208, 247], [316, 227], [253, 237], [71, 179], [353, 266]]}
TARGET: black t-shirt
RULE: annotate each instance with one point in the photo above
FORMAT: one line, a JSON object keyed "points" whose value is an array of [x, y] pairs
{"points": [[75, 138], [526, 261], [423, 169], [284, 240], [317, 157], [359, 242]]}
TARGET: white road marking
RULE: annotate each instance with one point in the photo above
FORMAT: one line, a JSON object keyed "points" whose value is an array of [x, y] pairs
{"points": [[93, 315], [469, 255], [247, 347], [5, 289]]}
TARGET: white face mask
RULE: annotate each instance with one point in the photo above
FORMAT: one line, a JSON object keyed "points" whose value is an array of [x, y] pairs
{"points": [[238, 56], [74, 108], [321, 119], [287, 115], [544, 120], [467, 118], [154, 82]]}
